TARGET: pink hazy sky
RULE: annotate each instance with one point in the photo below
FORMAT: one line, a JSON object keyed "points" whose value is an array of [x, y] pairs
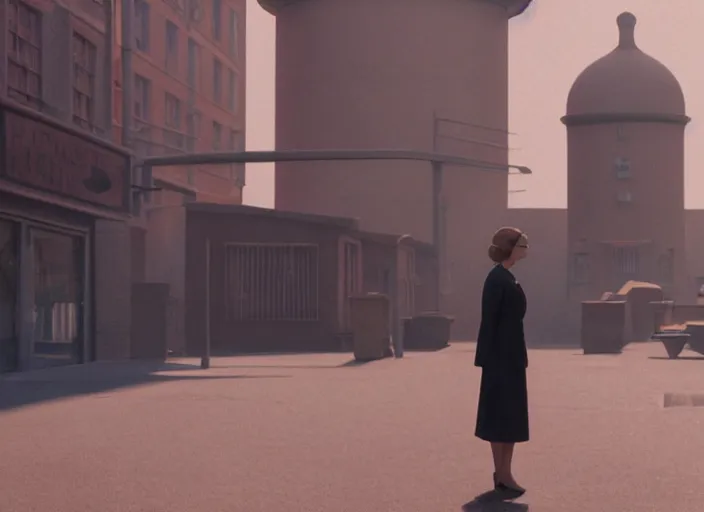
{"points": [[549, 46]]}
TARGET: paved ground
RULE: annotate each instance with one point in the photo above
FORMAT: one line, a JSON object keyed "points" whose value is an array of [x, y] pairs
{"points": [[309, 433]]}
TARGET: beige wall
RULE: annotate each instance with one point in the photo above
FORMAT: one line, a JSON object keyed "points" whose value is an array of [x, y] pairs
{"points": [[165, 259], [113, 289], [655, 215], [694, 222], [543, 274]]}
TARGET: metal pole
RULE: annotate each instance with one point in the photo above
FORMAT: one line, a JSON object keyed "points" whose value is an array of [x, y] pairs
{"points": [[395, 331], [127, 78], [396, 328], [437, 230], [205, 359], [108, 69]]}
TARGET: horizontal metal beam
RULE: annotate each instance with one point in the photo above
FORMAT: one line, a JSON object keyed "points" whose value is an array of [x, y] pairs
{"points": [[241, 157]]}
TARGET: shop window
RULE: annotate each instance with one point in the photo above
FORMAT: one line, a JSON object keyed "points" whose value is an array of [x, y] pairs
{"points": [[58, 298], [9, 295]]}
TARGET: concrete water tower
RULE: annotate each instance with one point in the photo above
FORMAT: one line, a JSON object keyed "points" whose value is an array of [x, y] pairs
{"points": [[625, 135], [371, 74]]}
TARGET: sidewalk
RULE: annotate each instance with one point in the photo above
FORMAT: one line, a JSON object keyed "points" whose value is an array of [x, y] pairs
{"points": [[311, 433]]}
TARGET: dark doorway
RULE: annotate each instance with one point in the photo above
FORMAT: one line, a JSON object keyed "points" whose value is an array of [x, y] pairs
{"points": [[9, 288]]}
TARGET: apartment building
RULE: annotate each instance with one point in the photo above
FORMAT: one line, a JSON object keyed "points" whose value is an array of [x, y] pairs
{"points": [[188, 68]]}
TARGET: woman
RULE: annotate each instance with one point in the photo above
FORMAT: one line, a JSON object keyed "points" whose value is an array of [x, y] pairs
{"points": [[502, 415]]}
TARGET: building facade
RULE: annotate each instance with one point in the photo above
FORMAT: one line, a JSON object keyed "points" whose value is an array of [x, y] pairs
{"points": [[188, 90], [64, 190], [361, 75], [626, 124]]}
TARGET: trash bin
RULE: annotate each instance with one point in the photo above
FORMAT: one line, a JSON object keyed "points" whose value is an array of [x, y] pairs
{"points": [[427, 331], [662, 314], [696, 339], [370, 321], [603, 326]]}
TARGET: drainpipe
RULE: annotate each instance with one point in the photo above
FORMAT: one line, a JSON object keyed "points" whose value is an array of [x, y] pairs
{"points": [[127, 78], [437, 231], [109, 46]]}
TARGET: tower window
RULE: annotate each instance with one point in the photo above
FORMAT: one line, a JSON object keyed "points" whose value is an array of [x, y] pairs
{"points": [[580, 268], [624, 197], [626, 260], [622, 168]]}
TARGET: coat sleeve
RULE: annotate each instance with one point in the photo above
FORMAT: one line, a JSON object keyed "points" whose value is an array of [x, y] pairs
{"points": [[492, 295]]}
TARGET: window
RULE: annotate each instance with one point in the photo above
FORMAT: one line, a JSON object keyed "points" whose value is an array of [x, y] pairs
{"points": [[193, 58], [24, 54], [142, 93], [237, 171], [271, 282], [193, 129], [232, 91], [234, 34], [173, 112], [84, 53], [580, 268], [141, 25], [58, 279], [217, 81], [217, 136], [171, 47], [622, 167], [624, 197], [217, 24], [142, 112], [174, 139], [626, 260]]}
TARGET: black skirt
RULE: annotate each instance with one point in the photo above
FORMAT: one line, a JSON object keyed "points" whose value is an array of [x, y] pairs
{"points": [[502, 414]]}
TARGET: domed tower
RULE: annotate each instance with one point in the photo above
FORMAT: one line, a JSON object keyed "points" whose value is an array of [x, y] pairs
{"points": [[370, 74], [625, 140]]}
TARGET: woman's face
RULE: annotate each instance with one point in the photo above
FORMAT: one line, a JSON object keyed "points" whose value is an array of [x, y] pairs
{"points": [[520, 251]]}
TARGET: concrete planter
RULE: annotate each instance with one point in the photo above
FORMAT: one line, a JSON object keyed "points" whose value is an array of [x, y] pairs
{"points": [[427, 331], [603, 327], [696, 336]]}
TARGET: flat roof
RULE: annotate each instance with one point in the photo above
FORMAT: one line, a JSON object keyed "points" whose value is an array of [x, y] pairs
{"points": [[240, 209]]}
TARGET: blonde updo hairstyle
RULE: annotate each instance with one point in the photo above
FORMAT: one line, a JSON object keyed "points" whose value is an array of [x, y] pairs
{"points": [[503, 243]]}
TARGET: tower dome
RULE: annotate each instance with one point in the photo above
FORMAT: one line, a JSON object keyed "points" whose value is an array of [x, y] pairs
{"points": [[626, 85]]}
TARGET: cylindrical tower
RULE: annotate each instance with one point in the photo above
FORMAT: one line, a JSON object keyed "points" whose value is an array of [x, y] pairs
{"points": [[625, 137], [370, 74]]}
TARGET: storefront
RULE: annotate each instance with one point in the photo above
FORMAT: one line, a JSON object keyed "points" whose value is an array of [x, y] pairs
{"points": [[56, 186]]}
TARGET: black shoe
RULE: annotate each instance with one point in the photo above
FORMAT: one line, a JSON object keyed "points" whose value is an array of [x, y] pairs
{"points": [[508, 492]]}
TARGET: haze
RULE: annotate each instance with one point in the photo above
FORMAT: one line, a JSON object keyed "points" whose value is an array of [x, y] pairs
{"points": [[550, 45]]}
